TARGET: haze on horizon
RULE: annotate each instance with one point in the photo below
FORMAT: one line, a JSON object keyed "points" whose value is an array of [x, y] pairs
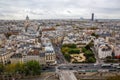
{"points": [[59, 9]]}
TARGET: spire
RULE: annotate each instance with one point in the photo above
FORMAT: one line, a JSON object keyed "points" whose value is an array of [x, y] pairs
{"points": [[39, 31], [27, 23]]}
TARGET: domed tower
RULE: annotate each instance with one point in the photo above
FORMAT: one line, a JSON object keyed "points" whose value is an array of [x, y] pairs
{"points": [[27, 18]]}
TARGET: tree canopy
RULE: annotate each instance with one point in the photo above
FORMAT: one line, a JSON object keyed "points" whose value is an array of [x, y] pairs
{"points": [[32, 68], [1, 68], [70, 45], [28, 68]]}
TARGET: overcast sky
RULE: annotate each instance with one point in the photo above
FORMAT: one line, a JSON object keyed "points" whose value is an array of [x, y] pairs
{"points": [[59, 9]]}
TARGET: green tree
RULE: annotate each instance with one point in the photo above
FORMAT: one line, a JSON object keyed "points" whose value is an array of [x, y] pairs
{"points": [[91, 60], [32, 68], [14, 69], [87, 47], [88, 53], [10, 68], [20, 68], [65, 50], [67, 57], [84, 49], [74, 51], [1, 68], [70, 45]]}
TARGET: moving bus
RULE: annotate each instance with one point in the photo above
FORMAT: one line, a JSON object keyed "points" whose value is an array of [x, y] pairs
{"points": [[106, 65]]}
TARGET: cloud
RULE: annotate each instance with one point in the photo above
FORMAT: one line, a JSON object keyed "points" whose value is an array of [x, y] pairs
{"points": [[51, 9]]}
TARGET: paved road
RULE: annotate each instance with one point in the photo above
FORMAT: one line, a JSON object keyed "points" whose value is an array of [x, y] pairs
{"points": [[48, 69], [88, 67], [59, 56], [81, 67]]}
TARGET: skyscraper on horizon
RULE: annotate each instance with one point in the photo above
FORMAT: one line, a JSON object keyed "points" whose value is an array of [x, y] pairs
{"points": [[92, 19]]}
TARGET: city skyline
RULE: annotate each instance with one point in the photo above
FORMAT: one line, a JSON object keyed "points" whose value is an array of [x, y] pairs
{"points": [[59, 9]]}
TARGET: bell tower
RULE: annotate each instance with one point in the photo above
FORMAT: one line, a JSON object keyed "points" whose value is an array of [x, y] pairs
{"points": [[27, 22], [40, 34]]}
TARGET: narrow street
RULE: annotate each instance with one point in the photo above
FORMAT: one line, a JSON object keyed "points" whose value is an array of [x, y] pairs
{"points": [[59, 56]]}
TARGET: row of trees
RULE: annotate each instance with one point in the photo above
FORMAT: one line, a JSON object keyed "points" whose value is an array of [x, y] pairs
{"points": [[70, 49], [74, 51], [29, 68], [70, 45]]}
